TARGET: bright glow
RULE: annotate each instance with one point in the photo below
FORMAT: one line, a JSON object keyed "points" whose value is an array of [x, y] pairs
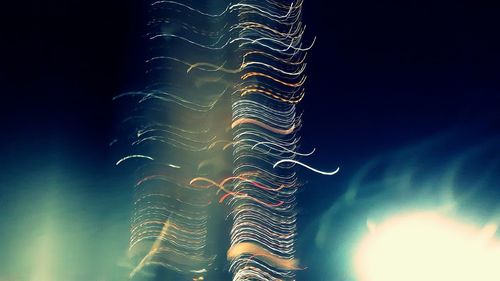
{"points": [[429, 247]]}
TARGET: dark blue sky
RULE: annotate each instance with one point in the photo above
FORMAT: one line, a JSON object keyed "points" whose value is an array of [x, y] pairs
{"points": [[383, 75]]}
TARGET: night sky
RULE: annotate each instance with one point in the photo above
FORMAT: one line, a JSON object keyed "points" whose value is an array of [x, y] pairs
{"points": [[411, 85]]}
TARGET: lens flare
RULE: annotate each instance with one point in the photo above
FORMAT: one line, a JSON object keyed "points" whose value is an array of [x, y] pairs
{"points": [[428, 246]]}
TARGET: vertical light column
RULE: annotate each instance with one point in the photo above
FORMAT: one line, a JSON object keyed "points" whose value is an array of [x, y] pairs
{"points": [[265, 125], [172, 124]]}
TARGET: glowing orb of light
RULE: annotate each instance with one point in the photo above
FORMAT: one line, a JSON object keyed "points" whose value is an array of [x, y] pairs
{"points": [[427, 246]]}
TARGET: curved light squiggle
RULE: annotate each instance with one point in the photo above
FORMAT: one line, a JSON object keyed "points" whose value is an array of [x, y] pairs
{"points": [[306, 166]]}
